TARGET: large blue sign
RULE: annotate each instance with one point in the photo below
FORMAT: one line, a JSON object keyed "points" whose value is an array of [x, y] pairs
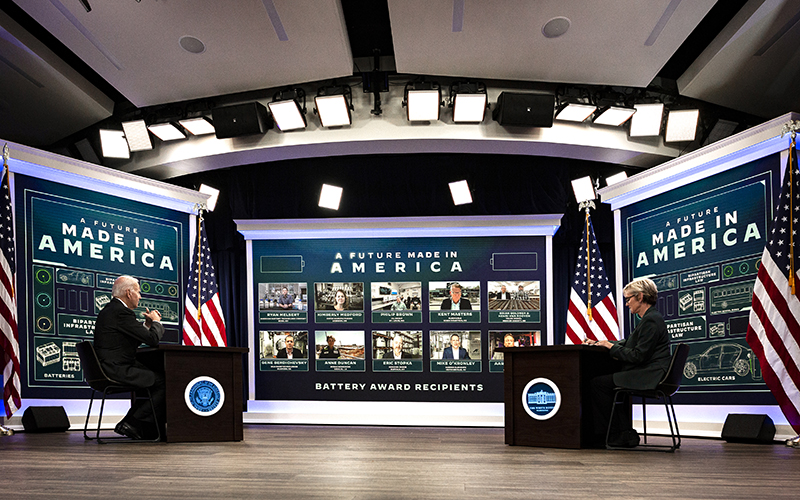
{"points": [[719, 224]]}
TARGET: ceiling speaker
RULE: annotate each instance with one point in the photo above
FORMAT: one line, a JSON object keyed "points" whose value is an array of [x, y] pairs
{"points": [[524, 110], [242, 119]]}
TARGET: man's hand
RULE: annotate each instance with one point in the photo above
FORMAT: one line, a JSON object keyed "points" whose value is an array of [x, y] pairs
{"points": [[150, 316]]}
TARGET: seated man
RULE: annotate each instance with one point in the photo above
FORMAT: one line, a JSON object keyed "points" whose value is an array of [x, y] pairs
{"points": [[117, 335]]}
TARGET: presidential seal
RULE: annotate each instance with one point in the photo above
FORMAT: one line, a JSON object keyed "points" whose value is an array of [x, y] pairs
{"points": [[541, 398], [204, 396]]}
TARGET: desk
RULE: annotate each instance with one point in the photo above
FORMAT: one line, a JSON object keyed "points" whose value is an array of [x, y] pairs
{"points": [[570, 368], [182, 365]]}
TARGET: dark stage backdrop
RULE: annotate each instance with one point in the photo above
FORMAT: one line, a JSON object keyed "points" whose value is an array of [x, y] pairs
{"points": [[399, 185]]}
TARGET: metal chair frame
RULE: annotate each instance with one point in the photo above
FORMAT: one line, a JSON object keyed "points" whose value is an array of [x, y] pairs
{"points": [[668, 386], [97, 379]]}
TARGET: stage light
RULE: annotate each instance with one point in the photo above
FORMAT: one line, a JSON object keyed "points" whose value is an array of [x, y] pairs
{"points": [[330, 196], [614, 116], [469, 101], [137, 136], [286, 110], [646, 122], [583, 189], [211, 203], [682, 125], [460, 192], [333, 105], [166, 131], [114, 144], [616, 178], [575, 112], [198, 126], [423, 101]]}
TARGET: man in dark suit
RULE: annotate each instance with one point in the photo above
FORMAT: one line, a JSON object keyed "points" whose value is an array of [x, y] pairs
{"points": [[117, 335], [397, 351], [456, 302], [455, 351], [289, 349], [503, 294]]}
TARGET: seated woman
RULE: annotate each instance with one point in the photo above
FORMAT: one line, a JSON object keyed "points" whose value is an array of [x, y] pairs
{"points": [[644, 357]]}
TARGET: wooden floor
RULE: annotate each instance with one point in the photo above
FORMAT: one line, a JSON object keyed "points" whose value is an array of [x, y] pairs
{"points": [[309, 462]]}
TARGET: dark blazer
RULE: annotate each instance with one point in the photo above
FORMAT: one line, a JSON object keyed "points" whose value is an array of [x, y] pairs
{"points": [[644, 354], [117, 335], [447, 304], [296, 353], [390, 355], [448, 352]]}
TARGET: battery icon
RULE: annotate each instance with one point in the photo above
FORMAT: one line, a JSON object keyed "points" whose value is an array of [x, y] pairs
{"points": [[282, 264], [515, 261]]}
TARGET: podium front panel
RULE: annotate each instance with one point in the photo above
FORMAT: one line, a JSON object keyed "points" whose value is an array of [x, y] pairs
{"points": [[185, 364], [570, 369]]}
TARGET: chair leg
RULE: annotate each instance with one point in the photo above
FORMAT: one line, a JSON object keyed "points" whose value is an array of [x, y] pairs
{"points": [[88, 414], [676, 435], [611, 418], [155, 417], [644, 419]]}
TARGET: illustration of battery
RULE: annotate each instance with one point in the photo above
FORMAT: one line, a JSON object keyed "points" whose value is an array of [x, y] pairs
{"points": [[515, 261], [282, 264], [699, 301]]}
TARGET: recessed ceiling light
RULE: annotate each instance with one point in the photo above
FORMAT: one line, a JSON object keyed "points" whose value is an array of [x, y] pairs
{"points": [[192, 44], [556, 27]]}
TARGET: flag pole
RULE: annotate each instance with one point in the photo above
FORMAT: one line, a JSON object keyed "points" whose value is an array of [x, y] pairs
{"points": [[5, 431], [585, 205]]}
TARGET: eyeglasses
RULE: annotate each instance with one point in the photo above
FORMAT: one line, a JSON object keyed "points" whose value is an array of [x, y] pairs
{"points": [[628, 298]]}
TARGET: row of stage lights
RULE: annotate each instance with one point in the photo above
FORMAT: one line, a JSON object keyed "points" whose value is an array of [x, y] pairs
{"points": [[330, 196], [423, 102]]}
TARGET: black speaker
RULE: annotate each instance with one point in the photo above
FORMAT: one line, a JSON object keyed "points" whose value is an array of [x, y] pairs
{"points": [[525, 110], [743, 428], [242, 119], [45, 419]]}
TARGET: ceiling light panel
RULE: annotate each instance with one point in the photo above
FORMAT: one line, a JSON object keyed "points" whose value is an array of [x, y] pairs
{"points": [[423, 105], [332, 110], [682, 125], [166, 132], [137, 136], [469, 108], [287, 115], [198, 126], [646, 122]]}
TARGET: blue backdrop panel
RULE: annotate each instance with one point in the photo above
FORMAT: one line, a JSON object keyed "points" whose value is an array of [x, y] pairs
{"points": [[357, 263], [72, 244], [702, 245]]}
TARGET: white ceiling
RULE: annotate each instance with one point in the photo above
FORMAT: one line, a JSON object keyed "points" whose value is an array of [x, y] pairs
{"points": [[266, 44]]}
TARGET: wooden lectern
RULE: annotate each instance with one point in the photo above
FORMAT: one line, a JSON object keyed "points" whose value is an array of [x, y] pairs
{"points": [[570, 368], [182, 365]]}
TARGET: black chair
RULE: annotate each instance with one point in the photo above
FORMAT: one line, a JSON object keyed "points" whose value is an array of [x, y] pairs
{"points": [[100, 382], [668, 386]]}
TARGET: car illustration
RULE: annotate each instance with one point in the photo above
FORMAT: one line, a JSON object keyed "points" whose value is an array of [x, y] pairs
{"points": [[720, 358]]}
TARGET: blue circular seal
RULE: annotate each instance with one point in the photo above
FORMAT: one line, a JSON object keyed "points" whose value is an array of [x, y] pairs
{"points": [[204, 396], [541, 398]]}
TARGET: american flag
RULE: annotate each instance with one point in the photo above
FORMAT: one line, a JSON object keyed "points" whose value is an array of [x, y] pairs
{"points": [[207, 328], [8, 301], [592, 313], [774, 329]]}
